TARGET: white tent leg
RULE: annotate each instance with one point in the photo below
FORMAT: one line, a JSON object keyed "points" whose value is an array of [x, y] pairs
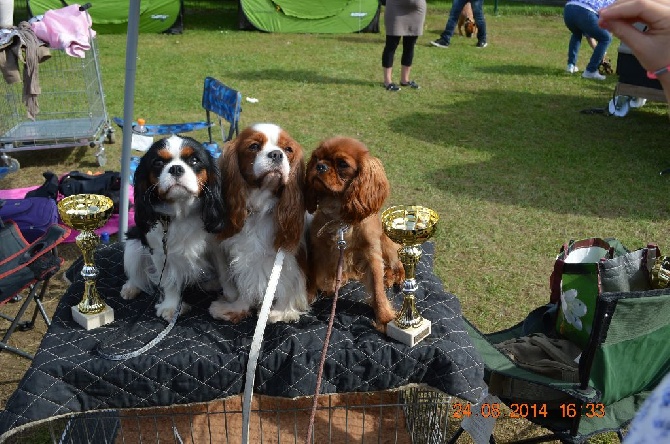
{"points": [[128, 111]]}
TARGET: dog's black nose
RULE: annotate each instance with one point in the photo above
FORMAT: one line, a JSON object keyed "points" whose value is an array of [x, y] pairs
{"points": [[176, 170], [321, 168], [276, 156]]}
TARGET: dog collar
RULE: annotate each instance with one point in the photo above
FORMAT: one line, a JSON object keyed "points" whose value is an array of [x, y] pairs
{"points": [[343, 228]]}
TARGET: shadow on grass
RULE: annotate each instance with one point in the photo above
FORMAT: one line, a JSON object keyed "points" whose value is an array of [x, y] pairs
{"points": [[517, 70], [299, 76], [48, 157], [539, 151]]}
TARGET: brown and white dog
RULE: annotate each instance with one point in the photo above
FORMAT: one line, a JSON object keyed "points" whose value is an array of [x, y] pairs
{"points": [[263, 189], [346, 188], [178, 210], [467, 20]]}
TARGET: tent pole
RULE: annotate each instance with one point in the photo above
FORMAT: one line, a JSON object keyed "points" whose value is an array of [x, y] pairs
{"points": [[128, 111]]}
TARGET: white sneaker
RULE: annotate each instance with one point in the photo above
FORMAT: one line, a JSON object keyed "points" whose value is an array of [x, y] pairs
{"points": [[571, 68], [593, 75]]}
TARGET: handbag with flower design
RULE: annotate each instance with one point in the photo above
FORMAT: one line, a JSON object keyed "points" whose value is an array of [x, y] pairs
{"points": [[588, 267]]}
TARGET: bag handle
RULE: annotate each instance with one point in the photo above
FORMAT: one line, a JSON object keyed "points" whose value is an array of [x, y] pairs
{"points": [[651, 254]]}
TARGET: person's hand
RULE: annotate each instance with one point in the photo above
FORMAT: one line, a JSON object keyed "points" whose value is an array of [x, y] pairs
{"points": [[651, 47]]}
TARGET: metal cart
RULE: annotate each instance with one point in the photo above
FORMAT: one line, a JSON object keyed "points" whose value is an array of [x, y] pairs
{"points": [[72, 110]]}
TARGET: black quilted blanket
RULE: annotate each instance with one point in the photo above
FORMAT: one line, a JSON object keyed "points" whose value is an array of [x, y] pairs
{"points": [[202, 359]]}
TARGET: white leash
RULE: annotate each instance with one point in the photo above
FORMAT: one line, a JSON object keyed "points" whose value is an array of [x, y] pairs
{"points": [[256, 342]]}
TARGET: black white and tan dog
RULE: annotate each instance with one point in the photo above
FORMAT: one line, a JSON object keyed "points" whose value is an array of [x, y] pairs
{"points": [[178, 210]]}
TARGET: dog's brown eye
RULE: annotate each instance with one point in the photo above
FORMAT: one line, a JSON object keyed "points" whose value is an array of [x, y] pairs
{"points": [[342, 164], [158, 163], [193, 160], [288, 149], [255, 147]]}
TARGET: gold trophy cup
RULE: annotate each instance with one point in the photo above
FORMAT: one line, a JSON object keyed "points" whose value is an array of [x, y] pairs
{"points": [[85, 213], [410, 226]]}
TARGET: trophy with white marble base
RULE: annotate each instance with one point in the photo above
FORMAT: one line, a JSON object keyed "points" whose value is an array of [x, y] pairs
{"points": [[410, 226], [86, 213]]}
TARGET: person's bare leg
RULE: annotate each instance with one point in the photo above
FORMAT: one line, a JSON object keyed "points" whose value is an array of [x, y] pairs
{"points": [[388, 76], [592, 42], [404, 74]]}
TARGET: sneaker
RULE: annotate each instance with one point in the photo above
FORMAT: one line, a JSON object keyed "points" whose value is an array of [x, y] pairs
{"points": [[411, 84], [571, 69], [440, 43], [593, 75], [392, 87], [481, 44]]}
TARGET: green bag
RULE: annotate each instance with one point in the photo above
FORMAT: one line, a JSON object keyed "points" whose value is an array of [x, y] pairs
{"points": [[588, 267], [578, 286]]}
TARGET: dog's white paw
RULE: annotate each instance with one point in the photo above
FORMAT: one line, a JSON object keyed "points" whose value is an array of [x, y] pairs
{"points": [[129, 291], [227, 311], [283, 316], [168, 308]]}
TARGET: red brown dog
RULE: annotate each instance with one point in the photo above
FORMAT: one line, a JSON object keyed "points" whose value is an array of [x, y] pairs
{"points": [[346, 188], [467, 20]]}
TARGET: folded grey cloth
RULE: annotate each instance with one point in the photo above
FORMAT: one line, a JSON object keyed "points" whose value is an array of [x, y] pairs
{"points": [[9, 64], [34, 53]]}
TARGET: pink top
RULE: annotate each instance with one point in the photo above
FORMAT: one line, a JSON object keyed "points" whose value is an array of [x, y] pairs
{"points": [[66, 28]]}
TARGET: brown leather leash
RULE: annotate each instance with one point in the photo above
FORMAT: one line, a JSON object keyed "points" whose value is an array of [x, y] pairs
{"points": [[341, 244]]}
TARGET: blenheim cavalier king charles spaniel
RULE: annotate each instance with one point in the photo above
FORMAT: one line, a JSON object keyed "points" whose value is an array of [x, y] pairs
{"points": [[346, 187], [178, 208], [263, 189]]}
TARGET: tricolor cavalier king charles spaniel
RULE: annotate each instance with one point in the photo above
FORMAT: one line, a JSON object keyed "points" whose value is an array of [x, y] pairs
{"points": [[346, 187], [263, 189], [178, 208]]}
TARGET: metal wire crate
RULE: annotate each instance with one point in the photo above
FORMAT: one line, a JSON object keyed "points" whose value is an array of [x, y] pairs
{"points": [[414, 415], [72, 111]]}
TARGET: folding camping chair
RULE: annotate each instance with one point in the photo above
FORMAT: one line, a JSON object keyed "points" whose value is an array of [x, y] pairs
{"points": [[627, 355], [226, 104], [218, 100], [30, 266]]}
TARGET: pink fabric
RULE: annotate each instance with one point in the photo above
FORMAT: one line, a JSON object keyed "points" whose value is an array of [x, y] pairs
{"points": [[111, 227], [16, 193], [66, 28]]}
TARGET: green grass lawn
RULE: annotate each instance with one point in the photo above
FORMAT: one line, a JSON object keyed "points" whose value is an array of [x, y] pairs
{"points": [[494, 140]]}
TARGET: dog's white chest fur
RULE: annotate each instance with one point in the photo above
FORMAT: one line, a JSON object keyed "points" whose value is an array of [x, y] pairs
{"points": [[250, 256], [252, 247], [186, 244]]}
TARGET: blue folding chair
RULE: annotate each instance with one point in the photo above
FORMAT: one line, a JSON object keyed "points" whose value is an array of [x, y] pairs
{"points": [[225, 103], [218, 100]]}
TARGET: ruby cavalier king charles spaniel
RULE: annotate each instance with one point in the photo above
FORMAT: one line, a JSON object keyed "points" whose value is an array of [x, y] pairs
{"points": [[346, 187], [263, 190]]}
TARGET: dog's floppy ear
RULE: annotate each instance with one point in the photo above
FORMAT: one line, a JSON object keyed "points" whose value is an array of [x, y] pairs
{"points": [[213, 210], [290, 211], [367, 192], [310, 196], [144, 193], [233, 189]]}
